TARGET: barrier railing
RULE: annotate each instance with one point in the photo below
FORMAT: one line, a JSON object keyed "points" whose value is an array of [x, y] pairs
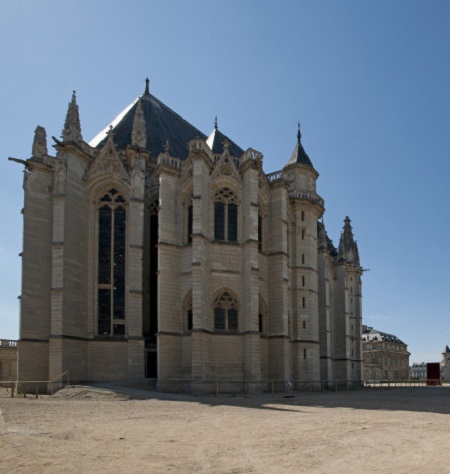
{"points": [[288, 387], [23, 386], [220, 386], [402, 383]]}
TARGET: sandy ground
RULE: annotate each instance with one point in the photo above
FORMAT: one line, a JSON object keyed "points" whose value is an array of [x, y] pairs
{"points": [[84, 430]]}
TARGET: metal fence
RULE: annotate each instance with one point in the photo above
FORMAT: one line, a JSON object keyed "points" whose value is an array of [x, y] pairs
{"points": [[287, 387]]}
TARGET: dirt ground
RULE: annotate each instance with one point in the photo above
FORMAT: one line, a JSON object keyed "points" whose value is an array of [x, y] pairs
{"points": [[401, 430]]}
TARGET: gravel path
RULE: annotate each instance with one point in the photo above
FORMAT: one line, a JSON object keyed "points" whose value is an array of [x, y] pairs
{"points": [[94, 430]]}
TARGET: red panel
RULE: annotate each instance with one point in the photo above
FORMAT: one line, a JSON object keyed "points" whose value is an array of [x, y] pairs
{"points": [[433, 373]]}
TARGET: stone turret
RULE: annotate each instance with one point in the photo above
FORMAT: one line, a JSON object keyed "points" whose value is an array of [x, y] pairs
{"points": [[299, 171], [348, 249], [39, 143], [72, 127]]}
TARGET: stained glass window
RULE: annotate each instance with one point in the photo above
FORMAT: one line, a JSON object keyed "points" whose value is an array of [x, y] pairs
{"points": [[111, 264], [190, 221], [225, 215]]}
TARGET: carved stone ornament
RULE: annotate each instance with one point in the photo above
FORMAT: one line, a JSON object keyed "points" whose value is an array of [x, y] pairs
{"points": [[187, 172], [225, 167], [107, 162], [137, 178], [39, 149], [139, 133]]}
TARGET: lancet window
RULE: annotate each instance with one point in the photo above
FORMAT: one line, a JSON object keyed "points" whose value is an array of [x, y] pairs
{"points": [[225, 215], [226, 312], [111, 263]]}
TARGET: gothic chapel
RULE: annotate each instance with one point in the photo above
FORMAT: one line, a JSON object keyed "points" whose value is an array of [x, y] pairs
{"points": [[155, 251]]}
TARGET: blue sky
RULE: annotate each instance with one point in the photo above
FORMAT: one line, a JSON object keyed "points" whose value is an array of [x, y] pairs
{"points": [[369, 82]]}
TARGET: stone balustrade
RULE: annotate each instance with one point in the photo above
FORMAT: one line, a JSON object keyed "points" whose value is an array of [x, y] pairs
{"points": [[8, 343], [311, 196]]}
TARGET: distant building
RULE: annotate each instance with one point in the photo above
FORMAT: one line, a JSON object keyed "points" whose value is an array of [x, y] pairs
{"points": [[385, 356], [418, 371], [446, 364], [8, 360]]}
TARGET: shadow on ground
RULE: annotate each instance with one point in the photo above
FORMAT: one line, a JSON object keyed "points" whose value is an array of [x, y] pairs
{"points": [[417, 399]]}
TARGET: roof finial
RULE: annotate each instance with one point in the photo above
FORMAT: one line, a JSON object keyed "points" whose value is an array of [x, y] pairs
{"points": [[215, 123], [299, 134], [147, 87]]}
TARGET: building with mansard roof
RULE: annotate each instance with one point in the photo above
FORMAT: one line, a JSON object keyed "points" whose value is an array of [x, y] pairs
{"points": [[158, 251], [385, 356]]}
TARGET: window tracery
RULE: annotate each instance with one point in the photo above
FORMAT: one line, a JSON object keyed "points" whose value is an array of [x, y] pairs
{"points": [[226, 312]]}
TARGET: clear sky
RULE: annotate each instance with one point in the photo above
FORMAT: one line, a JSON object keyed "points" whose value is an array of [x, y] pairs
{"points": [[369, 82]]}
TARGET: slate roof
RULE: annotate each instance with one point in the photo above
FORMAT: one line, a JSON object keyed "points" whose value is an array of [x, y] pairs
{"points": [[215, 142], [299, 154], [368, 331], [162, 124]]}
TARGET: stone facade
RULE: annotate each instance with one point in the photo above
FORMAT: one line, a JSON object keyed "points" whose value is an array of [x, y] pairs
{"points": [[8, 360], [385, 357], [155, 251]]}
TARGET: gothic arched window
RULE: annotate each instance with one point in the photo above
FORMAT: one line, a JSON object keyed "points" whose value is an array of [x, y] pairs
{"points": [[225, 215], [112, 221], [226, 312]]}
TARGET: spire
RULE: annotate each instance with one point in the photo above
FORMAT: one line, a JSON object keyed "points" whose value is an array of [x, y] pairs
{"points": [[215, 123], [299, 154], [348, 249], [147, 86], [40, 143], [139, 134], [72, 127]]}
